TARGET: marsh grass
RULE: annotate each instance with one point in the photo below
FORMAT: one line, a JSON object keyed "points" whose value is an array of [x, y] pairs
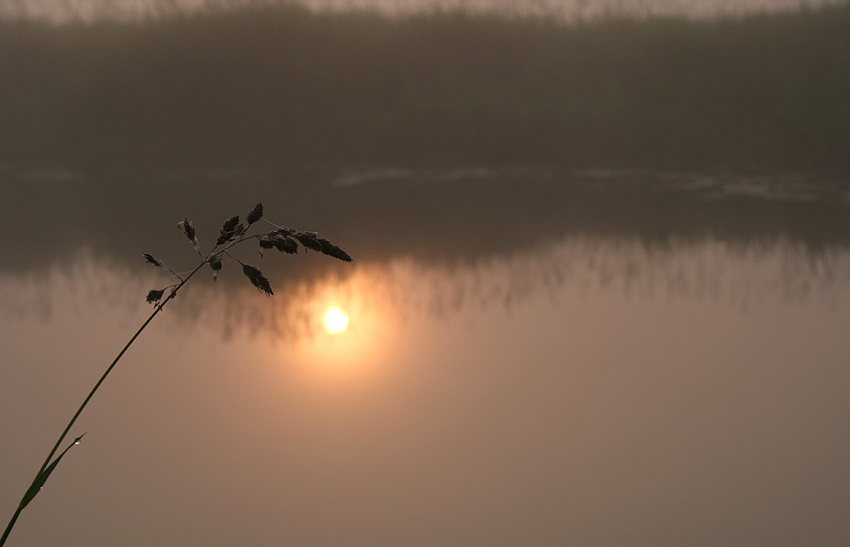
{"points": [[282, 84], [232, 233]]}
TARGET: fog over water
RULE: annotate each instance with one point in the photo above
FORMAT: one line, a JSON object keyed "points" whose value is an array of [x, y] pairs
{"points": [[600, 292]]}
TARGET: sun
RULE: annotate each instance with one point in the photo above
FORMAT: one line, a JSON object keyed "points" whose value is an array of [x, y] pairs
{"points": [[336, 320]]}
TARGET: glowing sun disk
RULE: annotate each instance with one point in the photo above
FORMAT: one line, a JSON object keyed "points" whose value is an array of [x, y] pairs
{"points": [[335, 320]]}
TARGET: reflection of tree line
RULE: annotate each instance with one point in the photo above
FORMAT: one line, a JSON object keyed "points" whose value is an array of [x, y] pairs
{"points": [[432, 217], [581, 266], [740, 274]]}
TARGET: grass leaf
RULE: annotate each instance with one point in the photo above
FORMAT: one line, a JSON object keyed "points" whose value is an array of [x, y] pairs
{"points": [[311, 241], [189, 229], [155, 296], [255, 214], [230, 229], [257, 279], [215, 265], [42, 477], [285, 244], [152, 261]]}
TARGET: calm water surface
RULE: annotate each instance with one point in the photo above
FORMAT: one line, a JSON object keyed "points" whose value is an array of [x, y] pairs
{"points": [[534, 357]]}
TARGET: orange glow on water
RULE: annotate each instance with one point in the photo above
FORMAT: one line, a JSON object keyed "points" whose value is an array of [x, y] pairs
{"points": [[348, 326]]}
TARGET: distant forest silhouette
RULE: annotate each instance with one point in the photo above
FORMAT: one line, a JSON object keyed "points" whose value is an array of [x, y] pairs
{"points": [[283, 85]]}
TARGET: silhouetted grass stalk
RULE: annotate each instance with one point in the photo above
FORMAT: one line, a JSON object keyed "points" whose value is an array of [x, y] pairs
{"points": [[232, 233]]}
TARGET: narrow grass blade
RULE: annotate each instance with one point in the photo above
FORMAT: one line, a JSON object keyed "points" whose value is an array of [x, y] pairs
{"points": [[42, 477]]}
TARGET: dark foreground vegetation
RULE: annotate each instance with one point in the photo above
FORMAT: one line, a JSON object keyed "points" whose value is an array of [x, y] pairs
{"points": [[284, 85]]}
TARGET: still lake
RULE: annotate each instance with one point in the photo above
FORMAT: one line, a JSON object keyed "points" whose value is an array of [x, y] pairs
{"points": [[534, 356]]}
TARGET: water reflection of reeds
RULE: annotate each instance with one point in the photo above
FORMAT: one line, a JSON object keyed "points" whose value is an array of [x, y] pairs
{"points": [[381, 295]]}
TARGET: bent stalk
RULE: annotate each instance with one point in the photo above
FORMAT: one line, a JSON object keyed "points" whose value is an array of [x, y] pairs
{"points": [[232, 233]]}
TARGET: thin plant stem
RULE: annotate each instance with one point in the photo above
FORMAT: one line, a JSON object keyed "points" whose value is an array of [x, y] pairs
{"points": [[232, 233], [94, 390], [11, 524]]}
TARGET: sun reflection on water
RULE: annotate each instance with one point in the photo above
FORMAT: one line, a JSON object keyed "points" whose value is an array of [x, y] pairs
{"points": [[336, 320], [348, 326]]}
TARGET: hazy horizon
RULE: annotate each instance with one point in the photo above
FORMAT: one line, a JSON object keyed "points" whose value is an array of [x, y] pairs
{"points": [[565, 10], [288, 86]]}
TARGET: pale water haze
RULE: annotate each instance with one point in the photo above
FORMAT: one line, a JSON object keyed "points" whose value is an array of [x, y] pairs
{"points": [[531, 358], [600, 292]]}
